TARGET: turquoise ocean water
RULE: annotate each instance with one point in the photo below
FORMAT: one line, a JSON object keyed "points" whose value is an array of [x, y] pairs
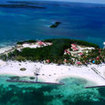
{"points": [[78, 21], [72, 93]]}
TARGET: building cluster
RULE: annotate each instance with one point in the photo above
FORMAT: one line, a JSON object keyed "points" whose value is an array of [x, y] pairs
{"points": [[36, 44]]}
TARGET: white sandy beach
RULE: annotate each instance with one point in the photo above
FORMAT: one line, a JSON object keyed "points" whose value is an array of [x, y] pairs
{"points": [[53, 72], [6, 48]]}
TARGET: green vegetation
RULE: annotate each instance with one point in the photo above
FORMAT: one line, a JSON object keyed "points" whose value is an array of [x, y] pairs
{"points": [[55, 52], [29, 41], [68, 42]]}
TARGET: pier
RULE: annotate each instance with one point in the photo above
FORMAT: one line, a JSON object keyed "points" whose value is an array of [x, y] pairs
{"points": [[34, 82], [100, 86], [98, 73]]}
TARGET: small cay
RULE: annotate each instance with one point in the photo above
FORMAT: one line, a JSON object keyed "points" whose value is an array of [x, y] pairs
{"points": [[55, 25], [21, 5]]}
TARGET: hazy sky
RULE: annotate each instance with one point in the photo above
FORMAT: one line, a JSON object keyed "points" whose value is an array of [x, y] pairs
{"points": [[88, 1], [84, 1]]}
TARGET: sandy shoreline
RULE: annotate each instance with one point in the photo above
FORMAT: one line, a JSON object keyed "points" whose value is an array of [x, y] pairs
{"points": [[6, 48], [53, 72]]}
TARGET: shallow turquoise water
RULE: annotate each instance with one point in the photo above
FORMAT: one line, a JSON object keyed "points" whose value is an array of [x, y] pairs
{"points": [[72, 93]]}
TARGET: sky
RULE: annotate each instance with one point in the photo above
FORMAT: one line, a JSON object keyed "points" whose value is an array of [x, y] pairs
{"points": [[84, 1]]}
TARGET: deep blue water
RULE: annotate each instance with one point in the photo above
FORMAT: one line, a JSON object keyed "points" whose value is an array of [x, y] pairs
{"points": [[78, 21]]}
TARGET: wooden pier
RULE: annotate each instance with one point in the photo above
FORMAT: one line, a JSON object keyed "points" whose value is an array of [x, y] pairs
{"points": [[34, 82], [102, 86], [98, 73]]}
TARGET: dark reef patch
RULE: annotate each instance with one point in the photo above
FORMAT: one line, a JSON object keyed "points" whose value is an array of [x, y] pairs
{"points": [[55, 25], [24, 4]]}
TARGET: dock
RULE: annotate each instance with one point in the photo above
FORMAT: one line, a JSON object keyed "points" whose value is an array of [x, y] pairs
{"points": [[34, 82], [102, 86], [97, 72]]}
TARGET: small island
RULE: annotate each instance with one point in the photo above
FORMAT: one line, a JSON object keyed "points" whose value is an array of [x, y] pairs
{"points": [[55, 25], [55, 59], [21, 5]]}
